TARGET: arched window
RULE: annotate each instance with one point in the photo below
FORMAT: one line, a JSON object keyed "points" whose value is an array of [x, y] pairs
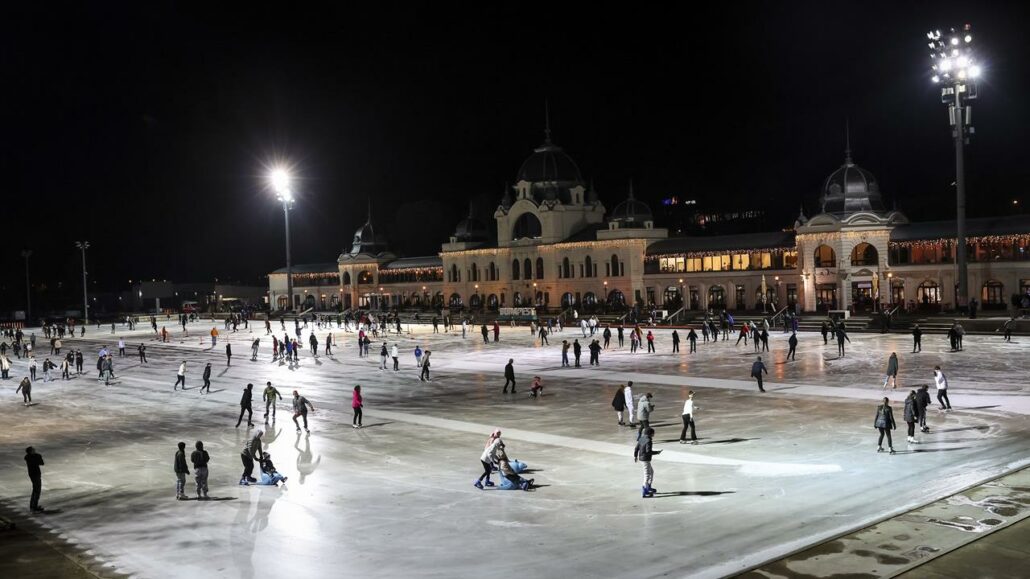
{"points": [[475, 272], [589, 299], [716, 297], [993, 294], [517, 299], [540, 268], [864, 254], [475, 301], [346, 278], [491, 301], [567, 300], [526, 226], [615, 265], [492, 276], [588, 266], [616, 299], [565, 269], [455, 301], [928, 293], [527, 269], [540, 299], [365, 277], [825, 256], [515, 269], [438, 299]]}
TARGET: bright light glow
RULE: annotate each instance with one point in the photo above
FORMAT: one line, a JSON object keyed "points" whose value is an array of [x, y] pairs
{"points": [[935, 78], [962, 62], [969, 38], [962, 74], [280, 180], [930, 36], [974, 71], [954, 40], [946, 65], [954, 52]]}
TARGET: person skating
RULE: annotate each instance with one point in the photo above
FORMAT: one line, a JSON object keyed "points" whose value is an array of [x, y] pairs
{"points": [[25, 387], [32, 368], [180, 472], [756, 372], [765, 339], [792, 343], [228, 354], [485, 332], [941, 381], [121, 347], [395, 353], [841, 337], [607, 335], [34, 460], [245, 406], [142, 349], [488, 458], [644, 410], [329, 344], [206, 376], [824, 329], [505, 469], [200, 458], [424, 376], [643, 453], [78, 361], [689, 411], [884, 422], [917, 339], [911, 416], [650, 342], [269, 397], [509, 375], [565, 353], [692, 338], [620, 334], [356, 404], [627, 394], [214, 337], [300, 408], [675, 342], [595, 353], [497, 331], [384, 353], [180, 376], [923, 399], [313, 343], [1007, 327], [254, 346], [619, 404], [250, 450], [892, 372], [577, 351]]}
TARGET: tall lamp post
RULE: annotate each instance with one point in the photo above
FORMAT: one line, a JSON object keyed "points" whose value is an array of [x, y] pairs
{"points": [[26, 253], [280, 180], [956, 70], [83, 246]]}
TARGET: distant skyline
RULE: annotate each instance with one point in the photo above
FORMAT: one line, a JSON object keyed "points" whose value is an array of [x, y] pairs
{"points": [[145, 129]]}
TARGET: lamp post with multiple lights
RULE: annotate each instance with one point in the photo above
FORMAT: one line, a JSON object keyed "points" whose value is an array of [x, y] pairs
{"points": [[280, 181], [83, 246], [956, 70]]}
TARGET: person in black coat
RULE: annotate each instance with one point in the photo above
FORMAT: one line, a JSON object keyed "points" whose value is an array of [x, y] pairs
{"points": [[619, 404], [245, 402], [923, 400], [911, 415], [577, 350], [884, 422], [917, 339], [207, 379], [692, 338], [756, 372], [509, 375], [824, 330], [34, 460], [675, 342], [793, 343], [228, 355]]}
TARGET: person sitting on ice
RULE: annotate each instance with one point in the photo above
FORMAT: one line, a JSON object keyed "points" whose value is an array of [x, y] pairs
{"points": [[511, 480], [536, 388], [269, 476]]}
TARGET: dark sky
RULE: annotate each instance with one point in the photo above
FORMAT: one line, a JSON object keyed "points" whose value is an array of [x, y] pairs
{"points": [[146, 129]]}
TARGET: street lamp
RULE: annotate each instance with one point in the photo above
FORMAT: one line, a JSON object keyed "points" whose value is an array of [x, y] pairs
{"points": [[28, 287], [83, 246], [280, 181], [956, 70]]}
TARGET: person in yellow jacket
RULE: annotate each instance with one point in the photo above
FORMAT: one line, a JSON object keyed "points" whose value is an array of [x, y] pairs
{"points": [[214, 337]]}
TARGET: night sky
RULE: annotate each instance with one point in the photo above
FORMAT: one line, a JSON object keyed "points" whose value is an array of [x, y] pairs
{"points": [[147, 130]]}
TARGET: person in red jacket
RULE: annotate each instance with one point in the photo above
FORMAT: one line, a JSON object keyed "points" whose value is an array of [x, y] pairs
{"points": [[356, 404]]}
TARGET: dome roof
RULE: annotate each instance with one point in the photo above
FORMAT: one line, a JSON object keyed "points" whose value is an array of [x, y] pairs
{"points": [[631, 211], [470, 229], [550, 164], [850, 189], [366, 241]]}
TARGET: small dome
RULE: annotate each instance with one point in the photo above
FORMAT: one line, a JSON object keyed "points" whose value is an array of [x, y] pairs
{"points": [[550, 164], [851, 189], [631, 211], [366, 241]]}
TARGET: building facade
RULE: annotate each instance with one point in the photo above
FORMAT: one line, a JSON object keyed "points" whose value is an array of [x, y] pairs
{"points": [[556, 246]]}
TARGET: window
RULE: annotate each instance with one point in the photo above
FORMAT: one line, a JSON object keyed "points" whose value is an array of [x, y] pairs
{"points": [[475, 274], [993, 294], [527, 225], [825, 256], [741, 261], [346, 278], [527, 269], [567, 300], [741, 298], [615, 266], [365, 277], [792, 294], [566, 271], [717, 296], [928, 293], [515, 269], [864, 254], [588, 266], [455, 301], [540, 268], [790, 259]]}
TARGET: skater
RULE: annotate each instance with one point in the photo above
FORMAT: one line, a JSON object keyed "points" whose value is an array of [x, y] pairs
{"points": [[418, 356], [607, 335], [300, 408], [34, 460], [207, 378], [841, 336], [884, 422], [643, 453], [180, 376], [509, 375], [329, 344], [269, 397], [756, 372], [675, 342], [313, 343], [688, 419], [917, 339], [497, 331], [1007, 327], [254, 346], [650, 342], [620, 335], [536, 388], [356, 403], [214, 337], [142, 349], [565, 353], [765, 340], [644, 413], [923, 400], [424, 376], [911, 416], [892, 372], [25, 387], [181, 471], [121, 347], [619, 403], [505, 469], [252, 449], [78, 361], [595, 352], [228, 354], [485, 332], [200, 458], [488, 458], [692, 338], [942, 389], [577, 351], [793, 346], [384, 353], [824, 329], [395, 353], [245, 406], [628, 397], [47, 367]]}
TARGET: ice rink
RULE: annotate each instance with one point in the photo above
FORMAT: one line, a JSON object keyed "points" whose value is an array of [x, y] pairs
{"points": [[773, 472]]}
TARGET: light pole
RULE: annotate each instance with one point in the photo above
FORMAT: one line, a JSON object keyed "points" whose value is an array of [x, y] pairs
{"points": [[83, 246], [280, 180], [955, 69], [28, 287]]}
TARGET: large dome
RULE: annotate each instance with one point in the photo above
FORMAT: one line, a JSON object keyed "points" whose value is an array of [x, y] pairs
{"points": [[550, 164], [851, 189], [366, 241]]}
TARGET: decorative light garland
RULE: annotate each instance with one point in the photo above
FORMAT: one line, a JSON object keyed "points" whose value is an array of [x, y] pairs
{"points": [[1016, 238], [714, 253]]}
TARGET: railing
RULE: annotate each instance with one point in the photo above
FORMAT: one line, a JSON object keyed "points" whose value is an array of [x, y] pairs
{"points": [[779, 314], [671, 317]]}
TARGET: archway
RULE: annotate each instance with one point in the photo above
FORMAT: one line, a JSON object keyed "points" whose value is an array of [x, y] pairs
{"points": [[567, 300], [346, 278], [454, 301], [717, 296], [526, 226], [993, 295], [491, 301], [864, 254], [825, 256], [475, 301], [928, 295], [616, 299]]}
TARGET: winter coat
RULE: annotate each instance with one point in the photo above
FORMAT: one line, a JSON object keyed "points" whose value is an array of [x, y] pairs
{"points": [[940, 380], [892, 366], [356, 401], [885, 418], [757, 368], [509, 372], [646, 406], [643, 450], [911, 409], [180, 463], [619, 402], [923, 398]]}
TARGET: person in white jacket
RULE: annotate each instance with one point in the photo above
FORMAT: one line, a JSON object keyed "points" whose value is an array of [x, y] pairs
{"points": [[942, 388], [488, 458], [180, 376], [628, 394], [395, 354], [688, 419]]}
